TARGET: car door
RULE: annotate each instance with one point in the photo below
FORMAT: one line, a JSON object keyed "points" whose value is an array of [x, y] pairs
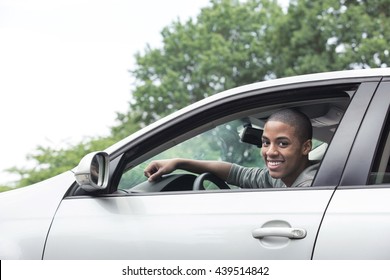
{"points": [[356, 224], [217, 224], [209, 225]]}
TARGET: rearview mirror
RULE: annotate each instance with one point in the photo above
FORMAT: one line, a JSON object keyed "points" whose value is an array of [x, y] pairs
{"points": [[252, 136], [92, 173]]}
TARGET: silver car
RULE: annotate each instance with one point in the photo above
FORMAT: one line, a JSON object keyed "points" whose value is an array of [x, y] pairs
{"points": [[106, 209]]}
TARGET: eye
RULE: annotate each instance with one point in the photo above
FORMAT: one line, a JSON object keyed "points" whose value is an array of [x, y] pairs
{"points": [[265, 142], [283, 144]]}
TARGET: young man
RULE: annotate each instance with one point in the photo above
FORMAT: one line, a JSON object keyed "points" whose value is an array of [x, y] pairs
{"points": [[286, 143]]}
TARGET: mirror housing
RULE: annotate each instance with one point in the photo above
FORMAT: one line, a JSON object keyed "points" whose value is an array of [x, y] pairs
{"points": [[92, 173]]}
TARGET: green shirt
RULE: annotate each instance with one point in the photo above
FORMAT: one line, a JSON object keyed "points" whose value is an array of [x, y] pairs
{"points": [[253, 178]]}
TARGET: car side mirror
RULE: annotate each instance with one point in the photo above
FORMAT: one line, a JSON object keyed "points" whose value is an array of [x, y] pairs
{"points": [[92, 173]]}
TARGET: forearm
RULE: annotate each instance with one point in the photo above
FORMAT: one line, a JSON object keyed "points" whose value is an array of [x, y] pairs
{"points": [[219, 168]]}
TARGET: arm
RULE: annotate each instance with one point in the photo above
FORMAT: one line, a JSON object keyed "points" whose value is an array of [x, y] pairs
{"points": [[160, 167]]}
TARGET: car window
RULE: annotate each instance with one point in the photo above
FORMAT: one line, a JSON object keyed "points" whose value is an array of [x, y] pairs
{"points": [[224, 142], [380, 173], [220, 143], [221, 137]]}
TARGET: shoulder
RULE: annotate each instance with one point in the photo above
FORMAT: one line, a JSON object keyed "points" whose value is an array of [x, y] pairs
{"points": [[313, 167], [305, 179]]}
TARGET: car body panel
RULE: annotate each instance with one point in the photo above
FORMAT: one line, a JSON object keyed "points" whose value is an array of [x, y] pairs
{"points": [[359, 213], [26, 215], [208, 225], [356, 226]]}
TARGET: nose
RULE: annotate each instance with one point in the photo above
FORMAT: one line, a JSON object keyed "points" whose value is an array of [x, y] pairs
{"points": [[272, 150]]}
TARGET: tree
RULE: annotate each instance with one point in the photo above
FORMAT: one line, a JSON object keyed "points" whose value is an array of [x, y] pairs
{"points": [[225, 47], [318, 36], [233, 43]]}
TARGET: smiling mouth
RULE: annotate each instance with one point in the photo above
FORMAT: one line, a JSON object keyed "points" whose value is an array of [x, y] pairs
{"points": [[274, 164]]}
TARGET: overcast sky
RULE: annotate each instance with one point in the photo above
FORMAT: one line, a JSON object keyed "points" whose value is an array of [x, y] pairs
{"points": [[64, 67]]}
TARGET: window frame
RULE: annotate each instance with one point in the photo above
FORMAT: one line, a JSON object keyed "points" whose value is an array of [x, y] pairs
{"points": [[275, 97], [357, 171]]}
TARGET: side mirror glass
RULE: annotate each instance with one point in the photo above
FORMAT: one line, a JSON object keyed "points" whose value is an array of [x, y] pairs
{"points": [[92, 173]]}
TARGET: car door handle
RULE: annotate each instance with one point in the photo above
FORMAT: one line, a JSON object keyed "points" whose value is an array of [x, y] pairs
{"points": [[292, 233]]}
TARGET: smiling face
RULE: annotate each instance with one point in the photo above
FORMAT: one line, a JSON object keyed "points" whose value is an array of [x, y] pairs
{"points": [[286, 156]]}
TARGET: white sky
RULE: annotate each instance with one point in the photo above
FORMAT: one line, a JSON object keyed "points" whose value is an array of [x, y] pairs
{"points": [[64, 67]]}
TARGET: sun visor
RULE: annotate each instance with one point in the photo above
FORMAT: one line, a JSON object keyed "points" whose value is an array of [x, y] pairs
{"points": [[332, 117]]}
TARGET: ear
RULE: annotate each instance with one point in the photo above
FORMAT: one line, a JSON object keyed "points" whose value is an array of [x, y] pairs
{"points": [[306, 147]]}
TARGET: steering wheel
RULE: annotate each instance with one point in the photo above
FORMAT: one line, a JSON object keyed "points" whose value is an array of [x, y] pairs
{"points": [[198, 183]]}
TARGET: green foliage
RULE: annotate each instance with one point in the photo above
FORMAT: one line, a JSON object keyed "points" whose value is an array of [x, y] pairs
{"points": [[231, 43], [4, 188], [49, 162], [318, 36], [127, 124], [225, 47]]}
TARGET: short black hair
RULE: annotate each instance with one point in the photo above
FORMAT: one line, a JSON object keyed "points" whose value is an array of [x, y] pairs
{"points": [[296, 119]]}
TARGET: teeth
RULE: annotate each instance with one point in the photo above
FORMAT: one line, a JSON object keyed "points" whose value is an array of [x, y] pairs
{"points": [[274, 163]]}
